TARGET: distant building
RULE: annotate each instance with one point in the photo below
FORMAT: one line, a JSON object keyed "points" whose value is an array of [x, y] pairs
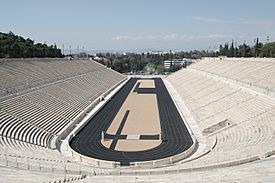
{"points": [[187, 62], [159, 52], [174, 62]]}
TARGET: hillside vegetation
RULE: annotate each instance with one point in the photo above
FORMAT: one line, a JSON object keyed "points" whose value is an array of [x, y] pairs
{"points": [[14, 46]]}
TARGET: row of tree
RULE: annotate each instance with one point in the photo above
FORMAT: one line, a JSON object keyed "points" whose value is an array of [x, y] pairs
{"points": [[144, 63], [153, 63], [14, 46], [244, 50]]}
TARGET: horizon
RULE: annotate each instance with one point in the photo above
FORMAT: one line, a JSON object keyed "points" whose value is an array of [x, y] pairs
{"points": [[139, 26]]}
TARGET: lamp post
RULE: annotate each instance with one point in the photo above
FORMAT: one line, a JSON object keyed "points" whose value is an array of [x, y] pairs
{"points": [[33, 49], [63, 49], [267, 40], [235, 50], [54, 49], [255, 47], [45, 44], [244, 48]]}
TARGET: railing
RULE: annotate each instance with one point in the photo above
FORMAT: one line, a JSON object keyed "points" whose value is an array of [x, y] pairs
{"points": [[113, 164], [43, 166], [80, 167]]}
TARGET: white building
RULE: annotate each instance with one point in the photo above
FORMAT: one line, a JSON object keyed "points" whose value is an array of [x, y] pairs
{"points": [[174, 62], [160, 52]]}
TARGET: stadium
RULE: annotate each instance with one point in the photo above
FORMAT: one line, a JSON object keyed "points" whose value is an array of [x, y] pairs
{"points": [[75, 120]]}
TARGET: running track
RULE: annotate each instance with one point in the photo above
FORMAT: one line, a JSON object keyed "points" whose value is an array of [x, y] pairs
{"points": [[175, 134]]}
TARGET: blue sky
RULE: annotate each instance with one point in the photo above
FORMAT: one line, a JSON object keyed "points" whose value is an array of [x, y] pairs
{"points": [[136, 25]]}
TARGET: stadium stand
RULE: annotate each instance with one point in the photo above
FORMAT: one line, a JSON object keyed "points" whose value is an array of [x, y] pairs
{"points": [[58, 91], [251, 72], [258, 171], [249, 115], [231, 101], [40, 99], [15, 175], [235, 116]]}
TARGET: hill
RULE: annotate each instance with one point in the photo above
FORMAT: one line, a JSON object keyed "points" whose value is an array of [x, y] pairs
{"points": [[14, 46]]}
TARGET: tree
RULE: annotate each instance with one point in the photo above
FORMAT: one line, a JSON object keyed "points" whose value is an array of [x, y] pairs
{"points": [[226, 49], [160, 69], [221, 50], [231, 49], [12, 45], [268, 50], [257, 47]]}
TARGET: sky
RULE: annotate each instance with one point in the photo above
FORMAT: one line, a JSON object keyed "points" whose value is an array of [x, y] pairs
{"points": [[139, 25]]}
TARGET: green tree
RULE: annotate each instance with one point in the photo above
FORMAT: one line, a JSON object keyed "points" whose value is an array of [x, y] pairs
{"points": [[12, 45]]}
